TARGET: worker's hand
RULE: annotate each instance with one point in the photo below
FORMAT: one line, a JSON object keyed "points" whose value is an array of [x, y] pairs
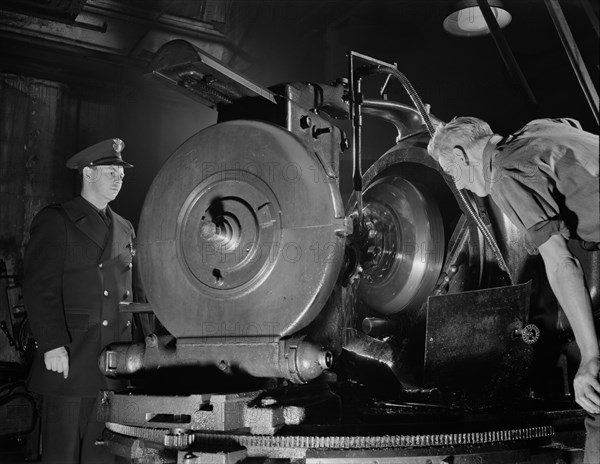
{"points": [[587, 385], [57, 360]]}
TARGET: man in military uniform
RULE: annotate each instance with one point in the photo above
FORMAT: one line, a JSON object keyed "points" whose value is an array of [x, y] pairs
{"points": [[545, 179], [78, 267]]}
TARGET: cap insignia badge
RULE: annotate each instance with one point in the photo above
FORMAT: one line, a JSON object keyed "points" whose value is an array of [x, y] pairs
{"points": [[118, 145]]}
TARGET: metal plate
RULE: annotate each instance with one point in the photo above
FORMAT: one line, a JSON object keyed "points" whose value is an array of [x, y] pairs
{"points": [[471, 349], [240, 234], [201, 76]]}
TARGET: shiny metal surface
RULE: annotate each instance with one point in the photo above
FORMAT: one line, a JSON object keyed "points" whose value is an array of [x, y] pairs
{"points": [[296, 359], [465, 245], [404, 248], [405, 119], [241, 234]]}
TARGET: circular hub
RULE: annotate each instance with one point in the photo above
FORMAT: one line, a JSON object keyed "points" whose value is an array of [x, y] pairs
{"points": [[403, 247], [227, 230]]}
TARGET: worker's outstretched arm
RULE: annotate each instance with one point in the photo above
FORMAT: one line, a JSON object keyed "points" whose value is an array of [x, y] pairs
{"points": [[567, 282]]}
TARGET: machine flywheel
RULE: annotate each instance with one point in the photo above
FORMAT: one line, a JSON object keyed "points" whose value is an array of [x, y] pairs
{"points": [[403, 246]]}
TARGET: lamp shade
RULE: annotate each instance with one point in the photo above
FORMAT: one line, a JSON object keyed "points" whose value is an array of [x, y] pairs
{"points": [[467, 19]]}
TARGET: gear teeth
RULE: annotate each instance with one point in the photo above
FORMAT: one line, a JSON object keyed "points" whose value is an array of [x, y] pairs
{"points": [[186, 438]]}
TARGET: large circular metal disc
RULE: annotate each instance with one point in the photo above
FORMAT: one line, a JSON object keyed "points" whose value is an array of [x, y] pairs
{"points": [[237, 234], [403, 255]]}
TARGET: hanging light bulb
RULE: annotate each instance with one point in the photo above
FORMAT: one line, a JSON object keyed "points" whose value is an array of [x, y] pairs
{"points": [[467, 19]]}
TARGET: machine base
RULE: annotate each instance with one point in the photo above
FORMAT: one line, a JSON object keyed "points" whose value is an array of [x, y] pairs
{"points": [[376, 431]]}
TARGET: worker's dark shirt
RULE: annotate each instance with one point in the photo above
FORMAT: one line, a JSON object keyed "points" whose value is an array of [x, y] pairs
{"points": [[545, 179]]}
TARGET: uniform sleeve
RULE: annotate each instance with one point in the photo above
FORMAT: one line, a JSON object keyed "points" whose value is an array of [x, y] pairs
{"points": [[42, 283], [527, 201]]}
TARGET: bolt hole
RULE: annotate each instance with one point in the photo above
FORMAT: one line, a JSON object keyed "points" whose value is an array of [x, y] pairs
{"points": [[328, 359], [218, 277]]}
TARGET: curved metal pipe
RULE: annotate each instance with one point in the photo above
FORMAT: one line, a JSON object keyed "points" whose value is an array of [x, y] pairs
{"points": [[405, 119], [296, 359], [412, 93]]}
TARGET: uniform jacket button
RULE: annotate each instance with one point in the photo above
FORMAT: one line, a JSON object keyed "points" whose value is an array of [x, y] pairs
{"points": [[105, 292], [127, 293], [130, 265], [100, 265], [128, 323], [104, 322]]}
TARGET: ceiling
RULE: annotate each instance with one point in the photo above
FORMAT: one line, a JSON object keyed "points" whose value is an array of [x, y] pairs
{"points": [[280, 40]]}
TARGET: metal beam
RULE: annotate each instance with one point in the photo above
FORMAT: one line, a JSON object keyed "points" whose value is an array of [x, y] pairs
{"points": [[570, 46], [505, 52]]}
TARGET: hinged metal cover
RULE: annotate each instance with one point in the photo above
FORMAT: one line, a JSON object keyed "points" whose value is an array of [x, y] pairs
{"points": [[471, 347], [202, 77]]}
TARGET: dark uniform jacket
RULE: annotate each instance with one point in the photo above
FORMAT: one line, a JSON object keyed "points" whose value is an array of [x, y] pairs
{"points": [[77, 270]]}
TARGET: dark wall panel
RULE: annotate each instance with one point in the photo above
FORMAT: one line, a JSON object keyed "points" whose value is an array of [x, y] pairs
{"points": [[37, 120]]}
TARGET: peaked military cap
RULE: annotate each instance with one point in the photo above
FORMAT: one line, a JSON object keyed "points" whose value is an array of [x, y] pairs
{"points": [[105, 153]]}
